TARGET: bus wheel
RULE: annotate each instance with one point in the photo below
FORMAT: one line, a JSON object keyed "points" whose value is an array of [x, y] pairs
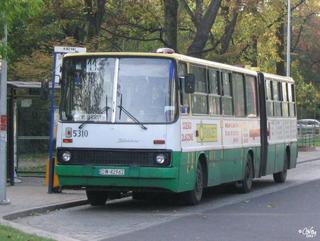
{"points": [[280, 177], [194, 196], [97, 198], [245, 185]]}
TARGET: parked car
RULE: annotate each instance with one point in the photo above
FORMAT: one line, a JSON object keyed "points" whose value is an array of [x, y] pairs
{"points": [[308, 126]]}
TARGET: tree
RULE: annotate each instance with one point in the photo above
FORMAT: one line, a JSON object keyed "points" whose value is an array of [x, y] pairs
{"points": [[307, 99], [305, 46], [171, 23], [94, 12], [203, 23], [10, 10], [246, 32]]}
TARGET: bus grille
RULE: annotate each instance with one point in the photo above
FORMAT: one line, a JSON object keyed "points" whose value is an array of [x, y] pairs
{"points": [[116, 157]]}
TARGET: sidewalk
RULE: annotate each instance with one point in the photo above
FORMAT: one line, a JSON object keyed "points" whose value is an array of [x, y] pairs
{"points": [[30, 197], [309, 155], [32, 193]]}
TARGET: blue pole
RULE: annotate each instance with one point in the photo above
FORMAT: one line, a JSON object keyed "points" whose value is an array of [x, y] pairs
{"points": [[51, 161]]}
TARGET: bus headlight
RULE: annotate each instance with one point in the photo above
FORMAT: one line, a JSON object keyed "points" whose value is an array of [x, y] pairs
{"points": [[66, 156], [161, 159]]}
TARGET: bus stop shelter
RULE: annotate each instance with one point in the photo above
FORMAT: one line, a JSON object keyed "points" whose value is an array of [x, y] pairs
{"points": [[28, 128]]}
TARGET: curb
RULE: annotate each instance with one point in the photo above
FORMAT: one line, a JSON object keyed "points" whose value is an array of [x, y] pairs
{"points": [[43, 209], [7, 220], [309, 160]]}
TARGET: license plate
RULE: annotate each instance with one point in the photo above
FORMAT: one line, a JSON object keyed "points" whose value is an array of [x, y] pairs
{"points": [[111, 172]]}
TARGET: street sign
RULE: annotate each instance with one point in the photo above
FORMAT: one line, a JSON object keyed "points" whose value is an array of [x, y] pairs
{"points": [[62, 49], [59, 52]]}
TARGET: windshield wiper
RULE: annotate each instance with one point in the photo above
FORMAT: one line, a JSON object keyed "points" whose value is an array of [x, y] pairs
{"points": [[105, 109], [130, 115]]}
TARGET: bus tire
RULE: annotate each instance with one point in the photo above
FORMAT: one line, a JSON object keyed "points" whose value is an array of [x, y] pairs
{"points": [[280, 177], [194, 196], [245, 185], [97, 198]]}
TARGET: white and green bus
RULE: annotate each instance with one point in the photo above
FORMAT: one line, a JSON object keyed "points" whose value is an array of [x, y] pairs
{"points": [[166, 122]]}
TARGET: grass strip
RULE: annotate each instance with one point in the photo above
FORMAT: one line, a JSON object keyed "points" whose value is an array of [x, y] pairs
{"points": [[11, 234]]}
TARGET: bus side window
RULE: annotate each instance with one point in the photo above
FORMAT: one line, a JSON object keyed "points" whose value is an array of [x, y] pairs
{"points": [[238, 94], [291, 98], [227, 94], [269, 91], [199, 102], [276, 98], [251, 96], [285, 103], [280, 93], [214, 92], [184, 98]]}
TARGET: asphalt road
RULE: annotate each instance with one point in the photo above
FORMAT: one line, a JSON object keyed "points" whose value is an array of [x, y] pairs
{"points": [[270, 212], [276, 216]]}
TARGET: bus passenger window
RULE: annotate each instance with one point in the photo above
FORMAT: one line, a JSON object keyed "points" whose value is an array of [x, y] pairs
{"points": [[276, 98], [200, 104], [200, 97], [269, 91], [238, 94], [226, 84], [214, 92], [293, 100], [251, 96], [184, 98], [201, 78], [292, 108], [285, 103], [275, 90], [214, 84], [227, 97], [293, 97]]}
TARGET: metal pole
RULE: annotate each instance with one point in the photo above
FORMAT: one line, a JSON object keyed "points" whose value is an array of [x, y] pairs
{"points": [[10, 133], [3, 123], [51, 160], [289, 39]]}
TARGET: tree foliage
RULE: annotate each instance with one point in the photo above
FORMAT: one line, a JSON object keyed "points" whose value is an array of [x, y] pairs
{"points": [[245, 32], [15, 12]]}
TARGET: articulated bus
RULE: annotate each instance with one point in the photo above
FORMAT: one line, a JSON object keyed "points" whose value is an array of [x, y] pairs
{"points": [[164, 122]]}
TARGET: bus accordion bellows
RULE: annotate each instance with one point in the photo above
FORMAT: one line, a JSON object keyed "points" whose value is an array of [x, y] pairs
{"points": [[165, 122]]}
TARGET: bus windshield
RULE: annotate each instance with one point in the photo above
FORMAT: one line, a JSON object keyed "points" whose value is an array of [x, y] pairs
{"points": [[124, 90]]}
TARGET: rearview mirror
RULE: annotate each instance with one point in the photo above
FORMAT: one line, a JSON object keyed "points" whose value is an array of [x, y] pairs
{"points": [[189, 83]]}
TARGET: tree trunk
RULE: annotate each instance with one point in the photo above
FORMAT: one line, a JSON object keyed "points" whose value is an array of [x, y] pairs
{"points": [[100, 14], [280, 67], [203, 29], [255, 51], [94, 14], [171, 23], [228, 31]]}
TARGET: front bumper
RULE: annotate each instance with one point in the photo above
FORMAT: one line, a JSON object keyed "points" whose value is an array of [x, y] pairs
{"points": [[134, 177]]}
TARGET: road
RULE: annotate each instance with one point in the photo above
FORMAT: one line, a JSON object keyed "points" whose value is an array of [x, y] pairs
{"points": [[270, 212]]}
